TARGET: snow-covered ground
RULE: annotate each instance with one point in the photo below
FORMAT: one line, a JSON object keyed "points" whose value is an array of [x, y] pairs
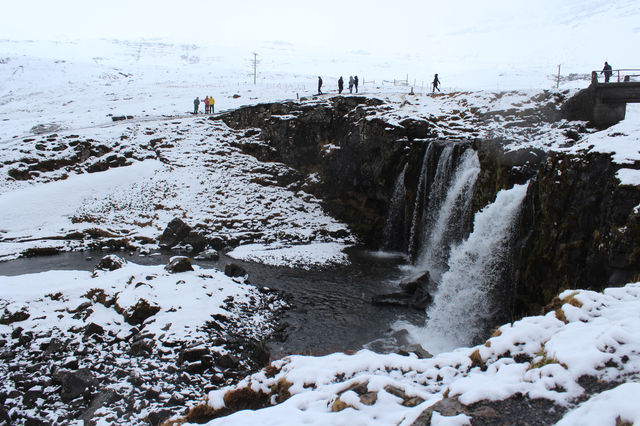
{"points": [[583, 356], [56, 104]]}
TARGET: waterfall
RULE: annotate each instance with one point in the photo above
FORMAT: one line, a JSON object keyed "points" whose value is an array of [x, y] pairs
{"points": [[448, 209], [462, 304], [394, 225]]}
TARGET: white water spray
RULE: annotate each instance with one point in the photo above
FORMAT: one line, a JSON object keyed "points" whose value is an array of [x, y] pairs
{"points": [[461, 306], [446, 214]]}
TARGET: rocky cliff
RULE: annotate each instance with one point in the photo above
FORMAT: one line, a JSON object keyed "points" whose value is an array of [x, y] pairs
{"points": [[578, 227]]}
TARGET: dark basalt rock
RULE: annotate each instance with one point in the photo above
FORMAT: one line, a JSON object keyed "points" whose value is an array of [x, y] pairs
{"points": [[74, 383], [179, 264], [174, 233], [9, 318], [111, 262], [234, 270], [416, 292], [139, 312]]}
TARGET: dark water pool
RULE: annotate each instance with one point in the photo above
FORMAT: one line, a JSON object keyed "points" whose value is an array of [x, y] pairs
{"points": [[331, 309]]}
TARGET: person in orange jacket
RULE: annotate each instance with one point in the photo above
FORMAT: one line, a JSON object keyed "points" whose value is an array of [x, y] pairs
{"points": [[206, 105], [212, 104]]}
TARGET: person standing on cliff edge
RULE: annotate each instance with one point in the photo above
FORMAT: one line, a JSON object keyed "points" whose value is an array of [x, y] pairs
{"points": [[436, 81], [340, 84], [607, 71], [319, 85]]}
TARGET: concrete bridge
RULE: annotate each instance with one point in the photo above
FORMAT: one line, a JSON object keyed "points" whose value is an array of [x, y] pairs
{"points": [[605, 104]]}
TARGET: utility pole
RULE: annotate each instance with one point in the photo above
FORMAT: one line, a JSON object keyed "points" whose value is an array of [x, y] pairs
{"points": [[255, 67]]}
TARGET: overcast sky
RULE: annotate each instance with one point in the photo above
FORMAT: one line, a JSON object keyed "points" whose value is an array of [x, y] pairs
{"points": [[534, 28]]}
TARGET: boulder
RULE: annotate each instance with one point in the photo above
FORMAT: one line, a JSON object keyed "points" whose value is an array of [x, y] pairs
{"points": [[136, 314], [111, 262], [9, 318], [179, 264], [75, 383], [93, 328], [416, 292], [175, 232], [234, 270]]}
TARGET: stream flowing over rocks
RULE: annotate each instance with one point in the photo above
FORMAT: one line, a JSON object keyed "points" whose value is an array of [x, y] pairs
{"points": [[470, 186]]}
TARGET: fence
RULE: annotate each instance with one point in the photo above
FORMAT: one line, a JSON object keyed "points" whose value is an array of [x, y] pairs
{"points": [[621, 75]]}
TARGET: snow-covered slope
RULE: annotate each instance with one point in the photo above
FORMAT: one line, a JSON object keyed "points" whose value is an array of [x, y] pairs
{"points": [[582, 357]]}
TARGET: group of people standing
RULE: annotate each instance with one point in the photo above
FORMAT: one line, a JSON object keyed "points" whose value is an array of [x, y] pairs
{"points": [[353, 83], [209, 105]]}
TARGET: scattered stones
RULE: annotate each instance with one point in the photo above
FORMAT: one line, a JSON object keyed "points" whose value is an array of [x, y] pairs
{"points": [[9, 318], [179, 264]]}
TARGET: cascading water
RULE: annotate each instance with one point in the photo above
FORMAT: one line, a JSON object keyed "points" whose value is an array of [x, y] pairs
{"points": [[448, 209], [395, 217], [462, 305]]}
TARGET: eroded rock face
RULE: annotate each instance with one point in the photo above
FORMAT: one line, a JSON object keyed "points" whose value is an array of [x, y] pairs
{"points": [[579, 229], [356, 158]]}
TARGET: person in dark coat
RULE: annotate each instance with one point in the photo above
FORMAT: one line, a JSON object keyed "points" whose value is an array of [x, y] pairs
{"points": [[350, 84], [196, 105], [607, 71], [355, 83], [340, 84], [436, 81], [319, 85]]}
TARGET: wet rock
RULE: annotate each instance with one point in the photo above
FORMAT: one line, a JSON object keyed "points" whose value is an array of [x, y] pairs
{"points": [[111, 262], [179, 264], [9, 318], [416, 292], [74, 383], [234, 270], [41, 251], [174, 233]]}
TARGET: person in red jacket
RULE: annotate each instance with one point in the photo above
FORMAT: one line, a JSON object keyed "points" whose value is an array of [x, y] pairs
{"points": [[206, 105]]}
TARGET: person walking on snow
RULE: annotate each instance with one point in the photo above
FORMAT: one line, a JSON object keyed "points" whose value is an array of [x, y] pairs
{"points": [[436, 81], [206, 105], [351, 84], [212, 105], [340, 84], [355, 83], [196, 104], [319, 85], [607, 72]]}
